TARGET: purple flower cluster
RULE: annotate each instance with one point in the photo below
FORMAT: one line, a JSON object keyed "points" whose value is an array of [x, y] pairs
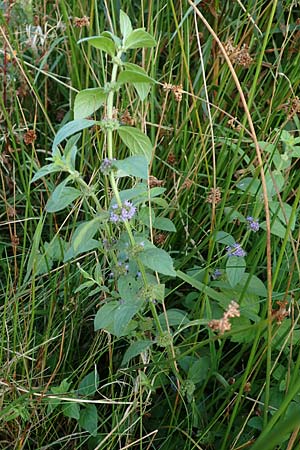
{"points": [[107, 165], [235, 250], [253, 224], [122, 213]]}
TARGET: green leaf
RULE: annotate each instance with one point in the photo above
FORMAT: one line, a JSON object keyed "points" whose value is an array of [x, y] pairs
{"points": [[70, 151], [276, 185], [135, 349], [162, 223], [175, 316], [142, 89], [137, 142], [88, 101], [71, 410], [115, 316], [131, 76], [158, 260], [249, 185], [199, 370], [125, 25], [235, 268], [224, 238], [61, 197], [82, 239], [89, 385], [129, 288], [89, 419], [139, 38], [105, 316], [242, 330], [46, 170], [283, 212], [136, 166], [277, 228], [71, 128], [145, 214], [102, 43]]}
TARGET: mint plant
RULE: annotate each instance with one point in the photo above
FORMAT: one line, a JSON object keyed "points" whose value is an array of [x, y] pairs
{"points": [[119, 222]]}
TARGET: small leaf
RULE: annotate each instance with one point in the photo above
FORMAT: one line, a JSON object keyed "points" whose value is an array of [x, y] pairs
{"points": [[137, 142], [115, 316], [136, 166], [235, 268], [199, 370], [71, 128], [102, 43], [139, 38], [61, 197], [249, 185], [142, 89], [125, 25], [46, 170], [71, 410], [104, 317], [89, 419], [131, 76], [175, 316], [224, 238], [162, 223], [158, 260], [88, 101], [89, 385], [135, 349]]}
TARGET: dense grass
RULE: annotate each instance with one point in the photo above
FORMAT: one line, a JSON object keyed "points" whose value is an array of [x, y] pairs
{"points": [[220, 391]]}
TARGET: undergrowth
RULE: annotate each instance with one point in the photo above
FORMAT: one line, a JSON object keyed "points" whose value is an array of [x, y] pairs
{"points": [[149, 225]]}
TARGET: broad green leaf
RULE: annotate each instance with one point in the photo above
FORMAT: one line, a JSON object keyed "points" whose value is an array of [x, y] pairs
{"points": [[224, 238], [84, 233], [242, 330], [162, 223], [139, 38], [136, 166], [88, 101], [137, 142], [61, 197], [125, 25], [104, 317], [135, 349], [46, 170], [199, 370], [71, 128], [71, 410], [254, 286], [123, 315], [70, 151], [176, 317], [284, 216], [131, 76], [85, 247], [89, 385], [276, 185], [142, 89], [277, 228], [115, 316], [102, 43], [235, 268], [250, 185], [158, 260], [89, 419], [145, 214], [129, 288]]}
